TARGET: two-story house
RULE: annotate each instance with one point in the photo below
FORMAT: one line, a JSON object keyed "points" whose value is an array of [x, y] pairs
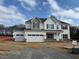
{"points": [[42, 29]]}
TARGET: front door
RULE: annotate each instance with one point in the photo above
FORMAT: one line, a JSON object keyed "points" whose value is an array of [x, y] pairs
{"points": [[50, 35]]}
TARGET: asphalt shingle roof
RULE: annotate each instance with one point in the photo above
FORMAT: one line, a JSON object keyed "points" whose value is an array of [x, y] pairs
{"points": [[44, 19]]}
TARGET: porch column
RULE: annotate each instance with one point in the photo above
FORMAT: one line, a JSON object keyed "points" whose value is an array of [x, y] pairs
{"points": [[57, 37]]}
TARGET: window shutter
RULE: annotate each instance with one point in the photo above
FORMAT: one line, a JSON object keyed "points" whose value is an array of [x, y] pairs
{"points": [[52, 26], [47, 26]]}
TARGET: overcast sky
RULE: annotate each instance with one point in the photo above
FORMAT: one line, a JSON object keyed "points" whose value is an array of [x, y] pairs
{"points": [[18, 11]]}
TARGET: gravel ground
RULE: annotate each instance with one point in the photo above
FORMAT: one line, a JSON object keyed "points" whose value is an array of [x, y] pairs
{"points": [[39, 53]]}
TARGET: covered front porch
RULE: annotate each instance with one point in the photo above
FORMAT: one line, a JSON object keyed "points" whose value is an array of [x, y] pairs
{"points": [[54, 36]]}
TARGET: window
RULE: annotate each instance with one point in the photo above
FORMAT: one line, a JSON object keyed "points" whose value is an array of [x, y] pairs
{"points": [[65, 36], [50, 26], [29, 34], [35, 35], [41, 35], [57, 26], [35, 25], [64, 26], [19, 34], [50, 36]]}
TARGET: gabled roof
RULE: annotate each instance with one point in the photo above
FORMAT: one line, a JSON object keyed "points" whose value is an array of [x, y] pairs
{"points": [[44, 19], [41, 19], [54, 18], [63, 22]]}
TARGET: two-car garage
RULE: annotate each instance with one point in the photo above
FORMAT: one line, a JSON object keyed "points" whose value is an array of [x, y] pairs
{"points": [[29, 36], [35, 36]]}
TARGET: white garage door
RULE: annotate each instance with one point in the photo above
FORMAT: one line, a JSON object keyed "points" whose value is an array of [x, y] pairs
{"points": [[35, 38], [19, 37]]}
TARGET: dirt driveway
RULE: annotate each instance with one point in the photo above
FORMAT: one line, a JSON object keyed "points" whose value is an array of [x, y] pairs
{"points": [[45, 50]]}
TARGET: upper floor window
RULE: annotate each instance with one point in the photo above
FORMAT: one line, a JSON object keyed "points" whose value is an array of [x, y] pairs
{"points": [[35, 25], [57, 26], [64, 26], [50, 26]]}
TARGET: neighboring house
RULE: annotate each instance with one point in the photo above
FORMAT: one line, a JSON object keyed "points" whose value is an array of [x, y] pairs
{"points": [[42, 29], [5, 32]]}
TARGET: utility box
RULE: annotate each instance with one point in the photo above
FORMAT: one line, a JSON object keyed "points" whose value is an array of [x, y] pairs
{"points": [[74, 50]]}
